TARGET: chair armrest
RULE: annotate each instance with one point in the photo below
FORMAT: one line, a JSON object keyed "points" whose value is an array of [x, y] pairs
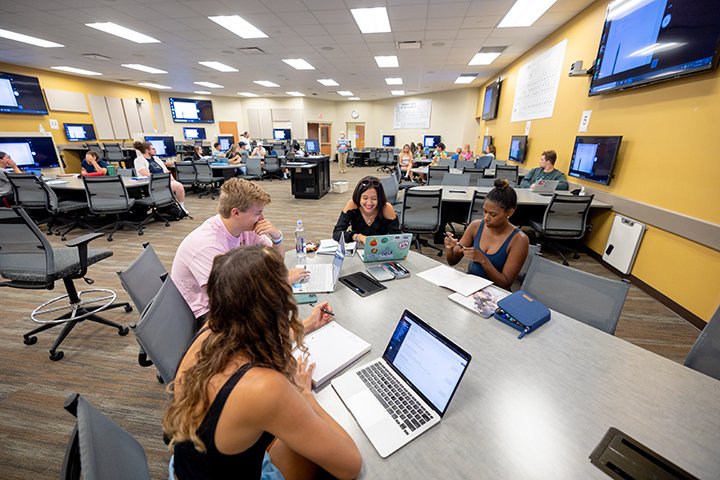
{"points": [[82, 245]]}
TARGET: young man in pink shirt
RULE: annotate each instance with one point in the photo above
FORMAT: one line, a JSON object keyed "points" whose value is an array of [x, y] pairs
{"points": [[239, 222]]}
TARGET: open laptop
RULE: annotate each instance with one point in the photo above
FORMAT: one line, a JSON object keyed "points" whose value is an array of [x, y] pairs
{"points": [[383, 248], [323, 277], [545, 186], [400, 396]]}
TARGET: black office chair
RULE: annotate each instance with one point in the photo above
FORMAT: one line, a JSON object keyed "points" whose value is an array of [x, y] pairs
{"points": [[704, 356], [272, 168], [565, 219], [484, 161], [108, 196], [28, 261], [185, 173], [205, 177], [436, 174], [160, 195], [509, 172], [115, 153], [422, 213], [30, 195]]}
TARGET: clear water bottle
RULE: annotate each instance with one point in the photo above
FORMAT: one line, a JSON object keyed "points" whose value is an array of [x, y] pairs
{"points": [[42, 129], [582, 190], [300, 243]]}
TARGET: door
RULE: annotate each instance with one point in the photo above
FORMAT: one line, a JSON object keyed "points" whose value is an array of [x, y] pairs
{"points": [[325, 136], [228, 128], [359, 142]]}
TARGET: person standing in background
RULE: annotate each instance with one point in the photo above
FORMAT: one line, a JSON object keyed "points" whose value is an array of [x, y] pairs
{"points": [[342, 151]]}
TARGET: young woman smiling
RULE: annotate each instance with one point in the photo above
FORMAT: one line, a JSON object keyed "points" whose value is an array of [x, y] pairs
{"points": [[367, 213]]}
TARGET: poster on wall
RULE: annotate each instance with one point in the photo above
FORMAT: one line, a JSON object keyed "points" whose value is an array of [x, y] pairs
{"points": [[537, 85], [413, 114]]}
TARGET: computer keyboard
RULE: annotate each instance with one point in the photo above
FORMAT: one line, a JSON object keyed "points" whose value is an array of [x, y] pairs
{"points": [[407, 412]]}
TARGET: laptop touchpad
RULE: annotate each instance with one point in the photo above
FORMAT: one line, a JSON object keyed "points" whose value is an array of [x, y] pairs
{"points": [[366, 408]]}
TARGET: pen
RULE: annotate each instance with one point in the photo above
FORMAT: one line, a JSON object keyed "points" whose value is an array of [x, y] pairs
{"points": [[325, 310]]}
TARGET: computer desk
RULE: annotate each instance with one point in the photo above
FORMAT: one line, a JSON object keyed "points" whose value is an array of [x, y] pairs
{"points": [[533, 408], [74, 182]]}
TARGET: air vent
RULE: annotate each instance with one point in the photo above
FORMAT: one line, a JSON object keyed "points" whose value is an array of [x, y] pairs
{"points": [[251, 51], [409, 45], [95, 56]]}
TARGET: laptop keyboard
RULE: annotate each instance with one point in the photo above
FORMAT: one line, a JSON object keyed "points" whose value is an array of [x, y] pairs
{"points": [[407, 412]]}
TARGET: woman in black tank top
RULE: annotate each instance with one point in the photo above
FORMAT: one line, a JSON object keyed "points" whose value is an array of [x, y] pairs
{"points": [[239, 389]]}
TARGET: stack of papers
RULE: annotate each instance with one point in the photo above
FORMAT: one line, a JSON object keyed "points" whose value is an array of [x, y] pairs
{"points": [[327, 246], [463, 283]]}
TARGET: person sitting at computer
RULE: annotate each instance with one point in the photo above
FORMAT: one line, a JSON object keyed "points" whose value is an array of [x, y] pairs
{"points": [[242, 406], [92, 164], [197, 152], [148, 163], [218, 152], [405, 160], [259, 151], [238, 156], [546, 171], [496, 248], [7, 197], [367, 213], [297, 150]]}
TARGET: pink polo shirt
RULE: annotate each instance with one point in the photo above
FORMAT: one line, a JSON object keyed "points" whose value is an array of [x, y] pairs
{"points": [[195, 255]]}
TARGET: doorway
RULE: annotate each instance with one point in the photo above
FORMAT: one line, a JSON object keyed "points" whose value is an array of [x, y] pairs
{"points": [[356, 134], [323, 133]]}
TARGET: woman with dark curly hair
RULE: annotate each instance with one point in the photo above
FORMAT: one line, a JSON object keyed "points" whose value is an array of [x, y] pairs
{"points": [[367, 213]]}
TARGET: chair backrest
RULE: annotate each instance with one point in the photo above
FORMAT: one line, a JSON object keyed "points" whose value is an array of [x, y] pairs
{"points": [[507, 171], [463, 164], [143, 278], [591, 299], [436, 174], [114, 152], [254, 166], [494, 163], [390, 186], [532, 251], [185, 172], [272, 164], [446, 162], [484, 161], [99, 448], [203, 172], [476, 207], [107, 194], [126, 172], [421, 211], [28, 190], [705, 353], [462, 180], [475, 174], [566, 216], [95, 147], [166, 329], [159, 189], [23, 247]]}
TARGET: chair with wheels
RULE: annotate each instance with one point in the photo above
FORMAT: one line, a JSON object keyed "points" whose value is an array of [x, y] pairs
{"points": [[422, 213], [475, 174], [436, 174], [159, 195], [447, 162], [463, 164], [28, 261], [509, 172], [533, 250], [30, 195], [452, 179], [704, 356], [272, 168], [185, 174], [484, 161], [68, 212], [108, 196], [114, 153], [205, 177], [254, 169], [126, 172], [386, 161], [565, 219]]}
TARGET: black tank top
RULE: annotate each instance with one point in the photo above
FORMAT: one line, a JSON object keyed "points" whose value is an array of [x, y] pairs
{"points": [[191, 464]]}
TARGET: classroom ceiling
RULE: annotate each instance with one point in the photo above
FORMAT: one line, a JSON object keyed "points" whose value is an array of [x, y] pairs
{"points": [[322, 32]]}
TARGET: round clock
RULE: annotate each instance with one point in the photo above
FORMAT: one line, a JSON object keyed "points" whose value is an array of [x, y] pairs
{"points": [[354, 114]]}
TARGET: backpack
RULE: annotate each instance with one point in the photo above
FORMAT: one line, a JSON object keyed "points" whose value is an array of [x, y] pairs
{"points": [[173, 212]]}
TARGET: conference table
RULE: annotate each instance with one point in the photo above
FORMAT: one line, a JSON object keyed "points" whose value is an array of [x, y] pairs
{"points": [[533, 408], [75, 182]]}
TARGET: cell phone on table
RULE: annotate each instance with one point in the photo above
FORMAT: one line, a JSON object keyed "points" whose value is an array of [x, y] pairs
{"points": [[303, 298]]}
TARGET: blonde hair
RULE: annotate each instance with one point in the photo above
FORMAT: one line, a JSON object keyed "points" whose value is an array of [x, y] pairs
{"points": [[240, 194]]}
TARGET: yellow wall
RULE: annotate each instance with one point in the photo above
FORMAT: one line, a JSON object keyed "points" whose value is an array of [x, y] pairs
{"points": [[667, 129]]}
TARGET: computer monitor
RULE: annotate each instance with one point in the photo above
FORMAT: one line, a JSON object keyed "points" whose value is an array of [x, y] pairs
{"points": [[388, 140], [21, 94], [79, 132], [194, 133], [225, 141], [487, 141], [491, 101], [594, 157], [518, 147], [164, 146], [431, 140], [311, 146], [31, 152], [281, 134], [188, 110]]}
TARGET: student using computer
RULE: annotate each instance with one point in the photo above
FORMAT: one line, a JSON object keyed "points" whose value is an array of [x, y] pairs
{"points": [[239, 390], [367, 213], [197, 152], [496, 248], [92, 164], [546, 171], [148, 163], [7, 197], [218, 152]]}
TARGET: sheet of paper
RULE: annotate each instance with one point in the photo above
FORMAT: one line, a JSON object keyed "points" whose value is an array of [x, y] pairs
{"points": [[448, 277]]}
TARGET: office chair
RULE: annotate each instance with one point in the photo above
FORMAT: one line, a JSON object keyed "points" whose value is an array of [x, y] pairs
{"points": [[390, 186], [447, 162], [510, 172], [204, 176], [159, 195], [254, 169], [60, 209], [494, 163], [484, 161], [114, 153], [436, 174], [185, 174], [108, 196], [476, 174], [126, 172], [533, 250], [463, 164], [95, 147], [476, 207], [452, 179], [30, 195], [593, 300], [385, 161], [27, 260], [565, 218], [704, 356], [272, 168], [99, 449], [403, 184], [422, 213]]}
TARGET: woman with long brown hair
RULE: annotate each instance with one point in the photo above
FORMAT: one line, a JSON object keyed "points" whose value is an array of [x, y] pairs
{"points": [[239, 389]]}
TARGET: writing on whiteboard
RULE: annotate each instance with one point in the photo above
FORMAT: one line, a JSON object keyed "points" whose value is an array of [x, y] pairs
{"points": [[537, 85], [413, 114]]}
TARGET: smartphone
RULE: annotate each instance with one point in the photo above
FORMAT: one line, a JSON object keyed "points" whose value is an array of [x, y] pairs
{"points": [[302, 298]]}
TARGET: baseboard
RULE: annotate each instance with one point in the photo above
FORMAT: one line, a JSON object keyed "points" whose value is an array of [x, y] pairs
{"points": [[678, 309]]}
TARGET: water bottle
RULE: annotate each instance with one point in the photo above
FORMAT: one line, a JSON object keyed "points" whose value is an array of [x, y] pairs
{"points": [[42, 129], [300, 243], [582, 191]]}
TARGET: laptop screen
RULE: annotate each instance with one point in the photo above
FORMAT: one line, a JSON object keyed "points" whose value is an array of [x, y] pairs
{"points": [[428, 361], [338, 259]]}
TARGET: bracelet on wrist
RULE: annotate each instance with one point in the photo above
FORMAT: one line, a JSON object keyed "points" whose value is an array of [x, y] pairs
{"points": [[279, 240]]}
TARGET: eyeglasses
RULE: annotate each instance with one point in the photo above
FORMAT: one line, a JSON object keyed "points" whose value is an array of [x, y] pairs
{"points": [[370, 183]]}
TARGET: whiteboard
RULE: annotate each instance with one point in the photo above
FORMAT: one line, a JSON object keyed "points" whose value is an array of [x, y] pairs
{"points": [[62, 101], [414, 114], [101, 118], [537, 85]]}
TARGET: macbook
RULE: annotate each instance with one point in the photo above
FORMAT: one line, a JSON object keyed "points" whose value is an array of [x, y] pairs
{"points": [[400, 396], [323, 277], [383, 248], [545, 186]]}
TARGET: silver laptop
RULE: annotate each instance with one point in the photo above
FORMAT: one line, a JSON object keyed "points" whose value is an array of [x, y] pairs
{"points": [[323, 277], [545, 186], [383, 248], [400, 396]]}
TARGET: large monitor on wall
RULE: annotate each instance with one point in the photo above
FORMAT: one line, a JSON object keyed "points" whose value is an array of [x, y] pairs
{"points": [[518, 148], [650, 41], [311, 146], [594, 157], [164, 146], [281, 134], [487, 141], [491, 101], [225, 141], [388, 140], [194, 133], [79, 132], [187, 110], [431, 140], [31, 152], [21, 94]]}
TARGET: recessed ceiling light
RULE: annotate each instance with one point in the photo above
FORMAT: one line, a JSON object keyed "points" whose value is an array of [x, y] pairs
{"points": [[484, 58], [123, 32], [248, 94], [239, 26], [154, 85], [19, 37], [202, 92], [208, 84], [397, 92], [266, 83], [387, 61], [345, 93], [76, 70], [372, 20], [143, 68], [525, 12], [295, 94], [394, 81], [220, 67], [353, 98], [298, 63], [329, 82], [464, 79]]}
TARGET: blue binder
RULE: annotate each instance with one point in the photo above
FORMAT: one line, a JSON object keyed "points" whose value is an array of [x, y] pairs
{"points": [[522, 312]]}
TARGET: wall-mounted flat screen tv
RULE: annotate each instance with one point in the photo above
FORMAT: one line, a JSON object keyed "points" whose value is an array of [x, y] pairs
{"points": [[518, 148], [594, 157], [491, 101], [487, 141], [79, 132], [431, 140], [31, 152], [194, 133], [187, 110], [164, 146], [388, 140], [650, 41], [21, 94], [281, 134]]}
